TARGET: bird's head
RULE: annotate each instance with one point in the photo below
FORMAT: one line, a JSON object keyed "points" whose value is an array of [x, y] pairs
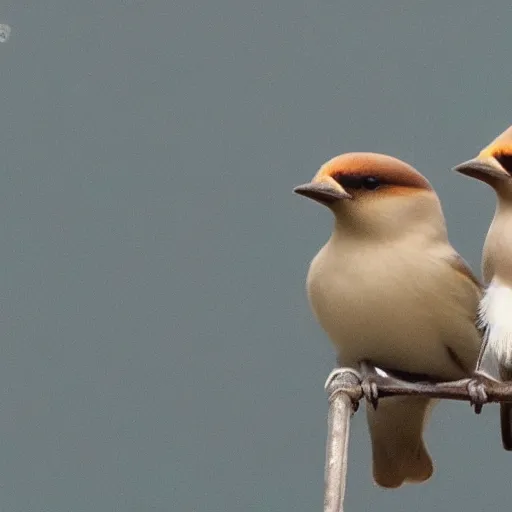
{"points": [[372, 193], [493, 165]]}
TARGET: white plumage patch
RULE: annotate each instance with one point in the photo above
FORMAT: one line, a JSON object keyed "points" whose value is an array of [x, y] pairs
{"points": [[495, 316]]}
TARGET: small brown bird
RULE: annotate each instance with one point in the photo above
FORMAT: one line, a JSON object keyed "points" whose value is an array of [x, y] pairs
{"points": [[494, 166], [389, 288]]}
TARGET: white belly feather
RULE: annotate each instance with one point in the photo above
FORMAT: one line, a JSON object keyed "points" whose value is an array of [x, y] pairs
{"points": [[495, 316]]}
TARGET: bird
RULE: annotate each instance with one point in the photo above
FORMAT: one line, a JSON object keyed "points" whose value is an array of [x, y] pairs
{"points": [[493, 166], [388, 288]]}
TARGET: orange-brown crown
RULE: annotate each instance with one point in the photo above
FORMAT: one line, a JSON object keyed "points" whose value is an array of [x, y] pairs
{"points": [[389, 170], [500, 146]]}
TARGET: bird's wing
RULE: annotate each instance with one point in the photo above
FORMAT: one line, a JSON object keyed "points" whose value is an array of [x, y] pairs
{"points": [[460, 302], [462, 267]]}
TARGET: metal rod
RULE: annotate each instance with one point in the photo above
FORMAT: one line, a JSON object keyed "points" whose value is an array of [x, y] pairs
{"points": [[344, 389], [454, 390]]}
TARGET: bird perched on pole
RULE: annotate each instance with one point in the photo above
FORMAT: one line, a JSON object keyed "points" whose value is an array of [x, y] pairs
{"points": [[494, 166], [388, 288]]}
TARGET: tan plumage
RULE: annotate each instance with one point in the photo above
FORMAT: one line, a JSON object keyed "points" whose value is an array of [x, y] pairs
{"points": [[388, 287], [493, 166]]}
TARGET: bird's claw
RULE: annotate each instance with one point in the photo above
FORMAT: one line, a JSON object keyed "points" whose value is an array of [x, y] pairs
{"points": [[369, 381], [477, 392], [370, 390]]}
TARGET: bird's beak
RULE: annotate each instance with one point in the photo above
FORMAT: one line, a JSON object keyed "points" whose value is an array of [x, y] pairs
{"points": [[322, 192], [488, 169]]}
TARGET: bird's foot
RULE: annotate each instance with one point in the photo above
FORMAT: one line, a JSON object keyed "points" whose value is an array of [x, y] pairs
{"points": [[369, 377], [370, 390], [478, 392]]}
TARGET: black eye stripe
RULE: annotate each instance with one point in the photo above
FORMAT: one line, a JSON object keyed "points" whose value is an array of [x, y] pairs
{"points": [[349, 181], [356, 182], [505, 161]]}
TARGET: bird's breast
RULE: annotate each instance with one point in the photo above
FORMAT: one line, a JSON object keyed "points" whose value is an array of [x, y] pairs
{"points": [[497, 252], [385, 306]]}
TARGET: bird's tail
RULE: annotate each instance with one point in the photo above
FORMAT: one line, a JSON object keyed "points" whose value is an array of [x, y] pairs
{"points": [[506, 425], [396, 430]]}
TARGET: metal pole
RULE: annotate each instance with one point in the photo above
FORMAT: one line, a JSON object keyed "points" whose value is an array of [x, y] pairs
{"points": [[344, 388]]}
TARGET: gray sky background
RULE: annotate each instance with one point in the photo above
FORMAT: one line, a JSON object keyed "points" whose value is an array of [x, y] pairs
{"points": [[157, 350]]}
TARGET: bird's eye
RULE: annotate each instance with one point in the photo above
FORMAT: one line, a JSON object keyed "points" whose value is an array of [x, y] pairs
{"points": [[505, 161], [371, 183]]}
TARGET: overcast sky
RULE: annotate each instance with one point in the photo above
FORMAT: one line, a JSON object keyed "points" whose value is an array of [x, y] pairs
{"points": [[157, 350]]}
